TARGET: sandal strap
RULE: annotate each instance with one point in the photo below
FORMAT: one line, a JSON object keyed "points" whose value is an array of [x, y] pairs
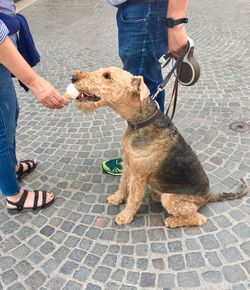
{"points": [[27, 162], [20, 169], [21, 201], [44, 199], [36, 196]]}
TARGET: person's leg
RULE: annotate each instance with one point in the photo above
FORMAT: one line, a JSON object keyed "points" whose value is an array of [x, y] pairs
{"points": [[8, 120], [142, 38], [142, 41], [16, 196]]}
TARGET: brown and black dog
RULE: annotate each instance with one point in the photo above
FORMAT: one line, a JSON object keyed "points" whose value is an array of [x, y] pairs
{"points": [[154, 152]]}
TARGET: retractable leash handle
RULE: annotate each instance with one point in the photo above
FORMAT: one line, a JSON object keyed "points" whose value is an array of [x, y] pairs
{"points": [[190, 68], [186, 70]]}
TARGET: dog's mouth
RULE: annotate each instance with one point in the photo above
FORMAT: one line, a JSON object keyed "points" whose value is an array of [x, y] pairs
{"points": [[84, 97]]}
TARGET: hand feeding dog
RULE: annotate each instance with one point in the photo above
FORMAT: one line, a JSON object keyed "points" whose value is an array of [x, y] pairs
{"points": [[154, 152]]}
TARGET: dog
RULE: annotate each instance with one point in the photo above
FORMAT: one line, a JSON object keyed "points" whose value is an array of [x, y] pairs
{"points": [[154, 152]]}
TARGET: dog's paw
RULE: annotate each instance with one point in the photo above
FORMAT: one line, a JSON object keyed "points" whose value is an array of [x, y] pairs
{"points": [[123, 218], [115, 199], [171, 222]]}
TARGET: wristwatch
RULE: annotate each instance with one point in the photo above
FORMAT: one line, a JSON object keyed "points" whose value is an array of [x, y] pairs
{"points": [[170, 22]]}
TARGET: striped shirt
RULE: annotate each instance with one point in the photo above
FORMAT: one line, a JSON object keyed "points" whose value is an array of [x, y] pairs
{"points": [[7, 7], [116, 2]]}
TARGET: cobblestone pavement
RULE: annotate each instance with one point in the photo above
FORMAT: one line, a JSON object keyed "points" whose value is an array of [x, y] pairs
{"points": [[75, 243]]}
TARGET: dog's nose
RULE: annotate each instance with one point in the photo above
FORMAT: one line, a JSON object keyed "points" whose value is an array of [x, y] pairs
{"points": [[74, 79]]}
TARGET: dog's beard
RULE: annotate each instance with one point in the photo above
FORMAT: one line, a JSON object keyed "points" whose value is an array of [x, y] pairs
{"points": [[88, 106]]}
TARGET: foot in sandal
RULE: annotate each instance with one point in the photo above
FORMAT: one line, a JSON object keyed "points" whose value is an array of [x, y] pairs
{"points": [[29, 200], [25, 167]]}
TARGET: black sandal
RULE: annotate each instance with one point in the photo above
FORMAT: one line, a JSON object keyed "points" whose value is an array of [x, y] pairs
{"points": [[20, 203], [21, 172]]}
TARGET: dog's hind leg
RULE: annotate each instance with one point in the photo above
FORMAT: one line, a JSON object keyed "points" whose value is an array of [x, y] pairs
{"points": [[183, 209], [136, 193], [122, 193]]}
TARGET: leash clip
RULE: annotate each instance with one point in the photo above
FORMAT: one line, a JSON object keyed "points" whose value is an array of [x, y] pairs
{"points": [[159, 89]]}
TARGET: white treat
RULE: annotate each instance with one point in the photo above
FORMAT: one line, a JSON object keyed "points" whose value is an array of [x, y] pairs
{"points": [[72, 91]]}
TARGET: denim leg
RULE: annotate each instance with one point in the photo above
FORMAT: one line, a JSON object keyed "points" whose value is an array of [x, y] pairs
{"points": [[142, 41], [8, 121]]}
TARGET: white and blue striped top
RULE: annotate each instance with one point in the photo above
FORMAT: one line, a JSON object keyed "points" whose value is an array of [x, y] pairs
{"points": [[7, 7]]}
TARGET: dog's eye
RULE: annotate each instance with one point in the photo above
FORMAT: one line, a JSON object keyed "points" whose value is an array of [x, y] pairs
{"points": [[107, 76]]}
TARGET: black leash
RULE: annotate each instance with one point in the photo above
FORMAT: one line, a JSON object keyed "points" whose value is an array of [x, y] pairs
{"points": [[177, 66]]}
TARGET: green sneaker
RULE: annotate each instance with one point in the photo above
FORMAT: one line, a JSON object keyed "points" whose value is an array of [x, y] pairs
{"points": [[113, 166]]}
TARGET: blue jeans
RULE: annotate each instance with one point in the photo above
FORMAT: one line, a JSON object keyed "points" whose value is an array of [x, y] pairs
{"points": [[9, 111], [142, 37]]}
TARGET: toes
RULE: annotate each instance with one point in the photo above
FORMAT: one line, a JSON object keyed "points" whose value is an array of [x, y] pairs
{"points": [[114, 199], [123, 218]]}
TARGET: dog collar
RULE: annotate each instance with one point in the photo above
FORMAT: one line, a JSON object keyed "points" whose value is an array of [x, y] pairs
{"points": [[146, 122]]}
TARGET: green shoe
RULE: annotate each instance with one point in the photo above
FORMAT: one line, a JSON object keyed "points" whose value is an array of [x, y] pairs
{"points": [[113, 166]]}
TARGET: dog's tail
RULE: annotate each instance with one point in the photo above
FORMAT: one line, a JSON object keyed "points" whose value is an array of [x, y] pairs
{"points": [[212, 196]]}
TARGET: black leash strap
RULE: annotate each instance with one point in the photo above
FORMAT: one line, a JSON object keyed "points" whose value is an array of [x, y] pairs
{"points": [[177, 66]]}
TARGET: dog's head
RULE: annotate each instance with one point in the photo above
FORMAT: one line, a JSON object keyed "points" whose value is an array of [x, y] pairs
{"points": [[110, 86]]}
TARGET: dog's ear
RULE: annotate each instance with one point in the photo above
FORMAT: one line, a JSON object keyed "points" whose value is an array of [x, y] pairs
{"points": [[139, 86]]}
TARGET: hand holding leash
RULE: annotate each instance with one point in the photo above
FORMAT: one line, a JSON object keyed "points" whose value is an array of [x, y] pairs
{"points": [[186, 70]]}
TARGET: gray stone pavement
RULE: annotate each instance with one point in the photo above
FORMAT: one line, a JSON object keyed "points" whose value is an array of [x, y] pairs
{"points": [[75, 243]]}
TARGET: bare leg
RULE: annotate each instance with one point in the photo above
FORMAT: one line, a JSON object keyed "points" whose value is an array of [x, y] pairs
{"points": [[135, 197], [122, 193], [183, 209]]}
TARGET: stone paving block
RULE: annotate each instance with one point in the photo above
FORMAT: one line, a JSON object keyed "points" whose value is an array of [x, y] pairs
{"points": [[176, 262], [148, 280], [21, 252], [35, 257], [234, 274], [141, 250], [102, 274], [49, 266], [118, 275], [232, 254], [6, 262], [9, 276], [91, 260], [61, 253], [127, 250], [188, 279], [71, 241], [23, 268], [127, 262], [47, 248], [55, 283], [82, 274], [72, 285], [132, 277], [242, 230], [209, 242], [212, 277], [35, 280], [68, 267], [194, 260], [166, 281], [110, 260], [226, 238], [213, 259], [77, 255], [9, 227]]}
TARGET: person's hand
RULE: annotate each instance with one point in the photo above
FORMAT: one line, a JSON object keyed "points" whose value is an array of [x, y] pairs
{"points": [[177, 39], [47, 94]]}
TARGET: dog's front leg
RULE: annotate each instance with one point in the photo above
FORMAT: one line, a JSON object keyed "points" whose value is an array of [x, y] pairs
{"points": [[136, 193], [123, 190]]}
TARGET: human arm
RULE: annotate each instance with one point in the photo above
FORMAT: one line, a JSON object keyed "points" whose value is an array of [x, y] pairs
{"points": [[177, 35], [42, 89]]}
